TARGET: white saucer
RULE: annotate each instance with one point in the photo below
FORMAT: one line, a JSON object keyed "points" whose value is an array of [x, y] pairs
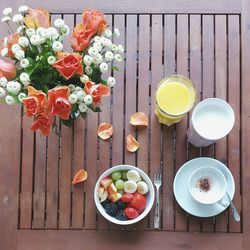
{"points": [[183, 196]]}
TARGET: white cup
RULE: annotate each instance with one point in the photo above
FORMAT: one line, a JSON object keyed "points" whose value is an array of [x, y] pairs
{"points": [[207, 185], [211, 120]]}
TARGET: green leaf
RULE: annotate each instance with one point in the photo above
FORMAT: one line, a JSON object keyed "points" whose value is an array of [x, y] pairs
{"points": [[84, 115], [68, 123], [95, 109], [115, 68]]}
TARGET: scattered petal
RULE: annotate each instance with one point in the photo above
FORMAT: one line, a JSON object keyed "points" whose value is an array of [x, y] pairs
{"points": [[105, 131], [132, 143], [139, 119], [80, 176]]}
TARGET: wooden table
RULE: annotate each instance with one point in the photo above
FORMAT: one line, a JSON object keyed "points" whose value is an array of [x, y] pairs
{"points": [[207, 41]]}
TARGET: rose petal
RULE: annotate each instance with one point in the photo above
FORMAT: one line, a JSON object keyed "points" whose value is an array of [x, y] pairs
{"points": [[139, 119], [105, 131], [132, 143], [80, 176]]}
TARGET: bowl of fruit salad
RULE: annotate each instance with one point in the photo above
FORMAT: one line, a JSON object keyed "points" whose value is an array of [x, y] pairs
{"points": [[124, 194]]}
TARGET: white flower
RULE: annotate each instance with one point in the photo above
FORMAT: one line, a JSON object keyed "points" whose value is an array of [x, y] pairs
{"points": [[80, 95], [120, 48], [15, 47], [65, 30], [97, 59], [5, 41], [35, 39], [88, 99], [39, 31], [84, 78], [20, 55], [4, 52], [98, 46], [71, 87], [6, 19], [26, 83], [23, 41], [111, 82], [20, 29], [17, 18], [23, 9], [104, 67], [7, 11], [57, 46], [13, 87], [24, 63], [53, 32], [116, 32], [59, 23], [30, 32], [78, 89], [51, 60], [24, 77], [21, 97], [97, 38], [107, 33], [87, 60], [42, 40], [72, 99], [3, 81], [93, 51], [114, 48], [106, 42], [109, 56], [118, 57], [45, 33], [9, 100], [82, 107], [89, 70], [2, 92]]}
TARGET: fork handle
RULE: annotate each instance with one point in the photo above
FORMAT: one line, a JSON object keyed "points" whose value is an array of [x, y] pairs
{"points": [[157, 212]]}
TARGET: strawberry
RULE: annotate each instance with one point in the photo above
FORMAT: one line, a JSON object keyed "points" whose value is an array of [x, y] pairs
{"points": [[126, 197], [131, 213], [138, 202]]}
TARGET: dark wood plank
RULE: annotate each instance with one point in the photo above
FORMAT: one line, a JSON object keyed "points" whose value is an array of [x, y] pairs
{"points": [[221, 92], [52, 178], [143, 97], [245, 125], [168, 132], [194, 224], [208, 87], [26, 191], [39, 198], [156, 76], [104, 240], [146, 6], [181, 127], [234, 161]]}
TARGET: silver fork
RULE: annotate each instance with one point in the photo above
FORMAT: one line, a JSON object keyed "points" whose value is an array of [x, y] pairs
{"points": [[157, 183]]}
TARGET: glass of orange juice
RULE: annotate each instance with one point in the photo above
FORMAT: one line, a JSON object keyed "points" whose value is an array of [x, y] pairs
{"points": [[175, 97]]}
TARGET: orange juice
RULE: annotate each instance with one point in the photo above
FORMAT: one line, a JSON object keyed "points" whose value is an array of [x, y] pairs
{"points": [[175, 96]]}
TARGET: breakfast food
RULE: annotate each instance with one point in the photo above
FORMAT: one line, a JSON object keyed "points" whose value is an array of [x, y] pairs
{"points": [[123, 194]]}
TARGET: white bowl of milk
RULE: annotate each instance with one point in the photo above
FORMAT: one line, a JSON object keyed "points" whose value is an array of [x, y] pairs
{"points": [[211, 120]]}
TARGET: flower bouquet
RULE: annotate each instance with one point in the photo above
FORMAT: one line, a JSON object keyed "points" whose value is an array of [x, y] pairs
{"points": [[49, 81]]}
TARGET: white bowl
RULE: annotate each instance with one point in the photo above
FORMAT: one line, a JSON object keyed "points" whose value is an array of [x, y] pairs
{"points": [[150, 196]]}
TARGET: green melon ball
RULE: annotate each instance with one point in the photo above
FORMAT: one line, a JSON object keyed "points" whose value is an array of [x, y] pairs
{"points": [[116, 175], [119, 184]]}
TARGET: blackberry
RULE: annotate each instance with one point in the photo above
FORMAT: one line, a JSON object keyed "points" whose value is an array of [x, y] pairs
{"points": [[104, 203], [121, 216], [111, 209], [121, 205]]}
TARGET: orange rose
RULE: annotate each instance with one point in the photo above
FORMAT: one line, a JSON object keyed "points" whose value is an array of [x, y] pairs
{"points": [[42, 122], [12, 39], [35, 102], [94, 21], [69, 65], [7, 69], [37, 18], [81, 38], [58, 102], [96, 91]]}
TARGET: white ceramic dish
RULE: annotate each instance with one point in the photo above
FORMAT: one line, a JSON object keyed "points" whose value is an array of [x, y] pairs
{"points": [[150, 195], [183, 196]]}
